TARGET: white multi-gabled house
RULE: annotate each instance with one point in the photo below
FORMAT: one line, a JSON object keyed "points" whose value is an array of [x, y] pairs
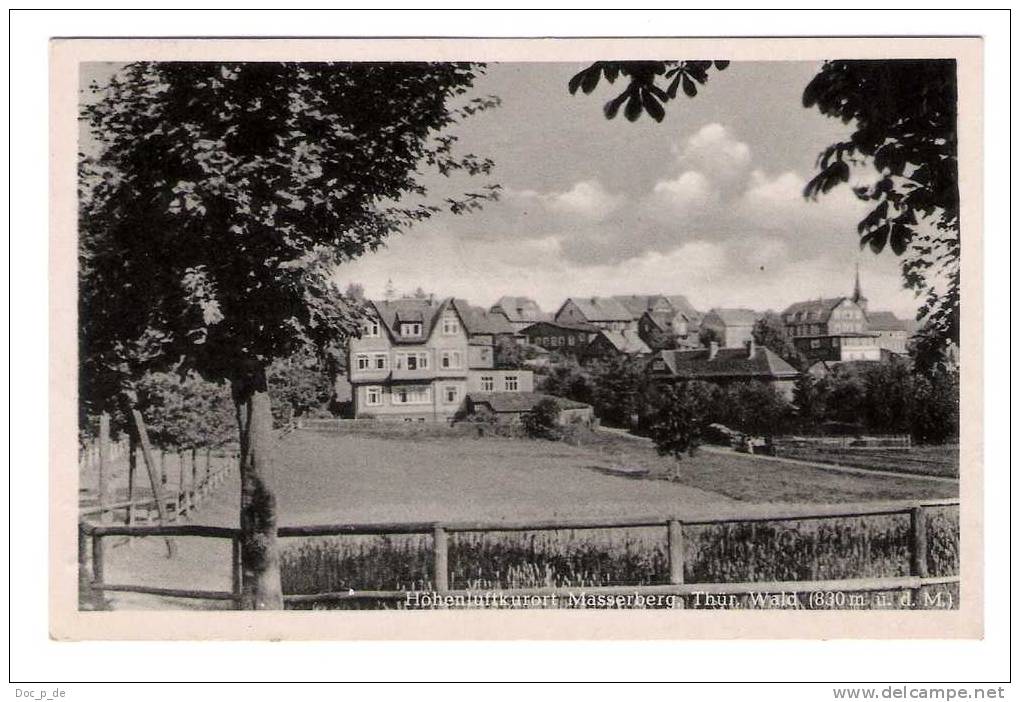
{"points": [[417, 359]]}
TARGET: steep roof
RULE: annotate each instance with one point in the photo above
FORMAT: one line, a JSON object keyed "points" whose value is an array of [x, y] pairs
{"points": [[814, 310], [519, 309], [425, 311], [626, 341], [601, 309], [566, 326], [728, 363], [639, 304], [682, 304], [477, 320], [662, 320], [519, 401], [734, 316], [885, 321]]}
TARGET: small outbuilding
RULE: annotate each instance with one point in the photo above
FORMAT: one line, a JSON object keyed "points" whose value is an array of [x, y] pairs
{"points": [[509, 407]]}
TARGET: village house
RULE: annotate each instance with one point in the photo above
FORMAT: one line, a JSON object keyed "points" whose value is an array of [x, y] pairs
{"points": [[510, 407], [602, 312], [520, 312], [675, 310], [893, 332], [833, 329], [417, 359], [672, 313], [563, 337], [611, 344], [823, 368], [732, 327], [723, 366]]}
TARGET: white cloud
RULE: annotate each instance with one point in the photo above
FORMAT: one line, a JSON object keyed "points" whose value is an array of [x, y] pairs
{"points": [[715, 151], [691, 189], [588, 199]]}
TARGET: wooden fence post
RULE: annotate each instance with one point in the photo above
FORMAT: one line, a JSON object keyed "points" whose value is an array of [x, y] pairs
{"points": [[235, 570], [132, 465], [440, 564], [150, 467], [97, 571], [194, 478], [84, 581], [675, 532], [918, 550], [104, 459], [182, 496]]}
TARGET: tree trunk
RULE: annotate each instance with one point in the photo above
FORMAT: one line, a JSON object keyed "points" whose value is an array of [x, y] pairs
{"points": [[260, 555]]}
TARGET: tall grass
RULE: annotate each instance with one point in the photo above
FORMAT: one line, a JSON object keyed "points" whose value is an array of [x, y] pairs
{"points": [[815, 549]]}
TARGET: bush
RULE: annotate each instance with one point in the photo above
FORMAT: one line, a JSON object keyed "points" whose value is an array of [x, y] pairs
{"points": [[543, 421], [881, 398]]}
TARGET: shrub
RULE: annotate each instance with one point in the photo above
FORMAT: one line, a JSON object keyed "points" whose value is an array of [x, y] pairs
{"points": [[543, 421]]}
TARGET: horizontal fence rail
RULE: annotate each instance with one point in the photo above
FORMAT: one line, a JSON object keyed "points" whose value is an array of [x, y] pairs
{"points": [[918, 578]]}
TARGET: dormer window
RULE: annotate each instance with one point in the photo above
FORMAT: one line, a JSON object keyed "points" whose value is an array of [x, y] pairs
{"points": [[410, 329], [450, 325]]}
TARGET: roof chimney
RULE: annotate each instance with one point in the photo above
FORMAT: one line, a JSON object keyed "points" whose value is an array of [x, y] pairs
{"points": [[713, 349]]}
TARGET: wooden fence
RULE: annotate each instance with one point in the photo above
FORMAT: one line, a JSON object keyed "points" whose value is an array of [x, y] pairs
{"points": [[93, 583], [869, 442], [190, 488]]}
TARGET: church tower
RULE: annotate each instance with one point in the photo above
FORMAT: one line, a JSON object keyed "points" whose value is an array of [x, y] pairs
{"points": [[858, 296]]}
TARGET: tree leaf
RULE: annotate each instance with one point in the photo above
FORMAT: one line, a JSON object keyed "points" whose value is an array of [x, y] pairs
{"points": [[590, 80], [690, 89], [613, 106], [633, 108], [652, 106], [673, 87]]}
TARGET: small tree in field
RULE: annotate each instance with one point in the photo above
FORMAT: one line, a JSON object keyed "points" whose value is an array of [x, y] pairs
{"points": [[680, 422], [212, 220]]}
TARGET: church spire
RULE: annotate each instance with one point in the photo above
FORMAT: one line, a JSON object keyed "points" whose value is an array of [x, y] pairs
{"points": [[858, 296]]}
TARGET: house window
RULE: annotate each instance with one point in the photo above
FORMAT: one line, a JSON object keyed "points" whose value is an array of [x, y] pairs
{"points": [[410, 329], [380, 360], [835, 342], [816, 343], [510, 383], [450, 394], [411, 395], [450, 326], [412, 361], [371, 328], [488, 383], [571, 340], [361, 361], [373, 396], [451, 359], [485, 354]]}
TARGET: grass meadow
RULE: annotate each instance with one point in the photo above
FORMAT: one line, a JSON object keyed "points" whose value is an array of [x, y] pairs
{"points": [[382, 475]]}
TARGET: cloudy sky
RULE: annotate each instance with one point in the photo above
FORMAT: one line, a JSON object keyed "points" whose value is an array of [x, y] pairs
{"points": [[706, 203]]}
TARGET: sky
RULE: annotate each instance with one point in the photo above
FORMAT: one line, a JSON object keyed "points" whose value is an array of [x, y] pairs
{"points": [[708, 203]]}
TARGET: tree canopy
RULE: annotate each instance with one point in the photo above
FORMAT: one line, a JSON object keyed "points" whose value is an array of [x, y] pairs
{"points": [[212, 219], [224, 195]]}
